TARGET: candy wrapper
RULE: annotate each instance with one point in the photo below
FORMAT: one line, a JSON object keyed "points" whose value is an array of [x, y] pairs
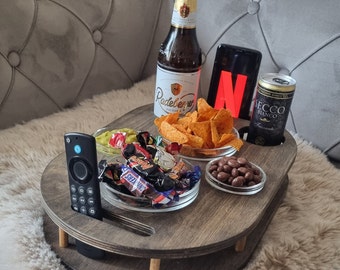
{"points": [[138, 186], [133, 182], [184, 179], [193, 176], [135, 149], [110, 173], [117, 140], [145, 139], [164, 159], [151, 172]]}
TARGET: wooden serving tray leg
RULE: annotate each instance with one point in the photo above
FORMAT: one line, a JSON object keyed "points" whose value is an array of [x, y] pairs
{"points": [[241, 244], [63, 238], [155, 264]]}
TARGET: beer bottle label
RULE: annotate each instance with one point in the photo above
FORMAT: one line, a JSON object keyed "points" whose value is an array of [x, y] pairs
{"points": [[175, 92], [184, 14]]}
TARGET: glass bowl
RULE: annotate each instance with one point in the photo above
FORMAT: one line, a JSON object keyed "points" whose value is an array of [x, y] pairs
{"points": [[244, 190], [201, 154], [143, 204]]}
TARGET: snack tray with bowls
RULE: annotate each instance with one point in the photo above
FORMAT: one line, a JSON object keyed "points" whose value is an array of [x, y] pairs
{"points": [[244, 190]]}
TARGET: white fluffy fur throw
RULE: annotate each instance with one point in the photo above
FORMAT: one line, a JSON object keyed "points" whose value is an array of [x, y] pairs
{"points": [[304, 233]]}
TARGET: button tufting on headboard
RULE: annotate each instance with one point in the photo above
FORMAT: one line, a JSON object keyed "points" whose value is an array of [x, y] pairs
{"points": [[253, 7], [97, 36], [284, 71], [14, 59]]}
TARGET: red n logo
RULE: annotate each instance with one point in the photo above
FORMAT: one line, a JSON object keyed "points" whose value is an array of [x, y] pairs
{"points": [[229, 97]]}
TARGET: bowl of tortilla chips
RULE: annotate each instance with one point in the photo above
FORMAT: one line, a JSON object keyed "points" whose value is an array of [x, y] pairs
{"points": [[203, 134]]}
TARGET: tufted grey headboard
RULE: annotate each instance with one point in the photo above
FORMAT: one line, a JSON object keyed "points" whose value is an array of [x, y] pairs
{"points": [[299, 38], [54, 53]]}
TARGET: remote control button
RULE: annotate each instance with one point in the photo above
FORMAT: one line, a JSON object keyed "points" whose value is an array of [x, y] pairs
{"points": [[81, 190], [90, 191], [75, 207], [82, 200], [90, 201], [92, 211], [77, 149], [83, 210], [73, 189], [74, 198], [80, 170]]}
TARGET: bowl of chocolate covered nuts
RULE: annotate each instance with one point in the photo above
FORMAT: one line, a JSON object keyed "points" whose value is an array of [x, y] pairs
{"points": [[235, 175]]}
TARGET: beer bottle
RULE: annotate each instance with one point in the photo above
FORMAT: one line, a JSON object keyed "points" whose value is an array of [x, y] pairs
{"points": [[179, 63]]}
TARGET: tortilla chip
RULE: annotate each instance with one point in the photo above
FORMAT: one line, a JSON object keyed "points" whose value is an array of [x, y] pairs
{"points": [[171, 133], [225, 139], [158, 121], [204, 110], [195, 141], [181, 128], [203, 130], [236, 143], [224, 121], [215, 136], [185, 121], [172, 118]]}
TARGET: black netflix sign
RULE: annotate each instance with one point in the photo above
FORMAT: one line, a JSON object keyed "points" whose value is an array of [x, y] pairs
{"points": [[233, 79]]}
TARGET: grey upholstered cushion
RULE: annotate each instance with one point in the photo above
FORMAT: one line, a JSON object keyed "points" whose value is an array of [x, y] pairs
{"points": [[299, 38], [55, 53]]}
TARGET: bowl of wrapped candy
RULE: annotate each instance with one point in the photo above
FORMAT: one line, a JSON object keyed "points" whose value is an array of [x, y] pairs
{"points": [[142, 176]]}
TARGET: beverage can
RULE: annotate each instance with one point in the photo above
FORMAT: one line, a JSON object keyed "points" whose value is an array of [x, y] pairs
{"points": [[271, 109]]}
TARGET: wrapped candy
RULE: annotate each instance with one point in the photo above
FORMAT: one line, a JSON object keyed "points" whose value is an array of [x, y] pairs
{"points": [[151, 172], [138, 186], [117, 139], [134, 149], [164, 159]]}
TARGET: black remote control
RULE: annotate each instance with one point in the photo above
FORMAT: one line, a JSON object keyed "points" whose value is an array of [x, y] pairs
{"points": [[82, 166]]}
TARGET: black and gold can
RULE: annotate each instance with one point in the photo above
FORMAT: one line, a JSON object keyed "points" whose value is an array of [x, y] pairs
{"points": [[271, 109]]}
